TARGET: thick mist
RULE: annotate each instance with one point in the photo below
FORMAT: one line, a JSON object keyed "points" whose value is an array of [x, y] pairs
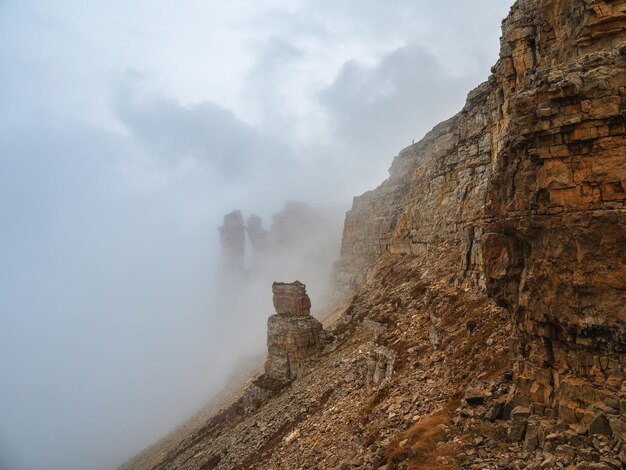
{"points": [[302, 242], [128, 131]]}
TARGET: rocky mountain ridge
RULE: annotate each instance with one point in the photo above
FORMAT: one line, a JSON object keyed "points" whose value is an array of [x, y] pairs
{"points": [[480, 316], [523, 193]]}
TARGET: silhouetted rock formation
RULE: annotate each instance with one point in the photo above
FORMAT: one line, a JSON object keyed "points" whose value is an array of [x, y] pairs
{"points": [[257, 234], [294, 337], [554, 248], [233, 241], [291, 299], [523, 193]]}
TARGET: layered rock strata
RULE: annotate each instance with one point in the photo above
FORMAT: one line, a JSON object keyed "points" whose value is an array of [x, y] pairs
{"points": [[519, 199], [294, 337], [257, 234], [555, 242], [377, 379], [233, 241], [523, 192]]}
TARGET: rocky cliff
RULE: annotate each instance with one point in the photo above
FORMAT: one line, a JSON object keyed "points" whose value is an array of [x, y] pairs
{"points": [[485, 282], [524, 193]]}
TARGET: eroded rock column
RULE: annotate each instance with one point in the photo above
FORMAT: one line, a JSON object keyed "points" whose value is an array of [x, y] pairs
{"points": [[294, 337]]}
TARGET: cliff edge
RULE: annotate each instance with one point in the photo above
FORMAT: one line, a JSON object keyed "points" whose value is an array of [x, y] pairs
{"points": [[485, 283], [523, 192]]}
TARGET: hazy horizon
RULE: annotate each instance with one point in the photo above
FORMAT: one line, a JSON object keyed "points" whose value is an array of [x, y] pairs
{"points": [[128, 130]]}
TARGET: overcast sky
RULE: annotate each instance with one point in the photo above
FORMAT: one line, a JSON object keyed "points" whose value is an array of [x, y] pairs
{"points": [[128, 128]]}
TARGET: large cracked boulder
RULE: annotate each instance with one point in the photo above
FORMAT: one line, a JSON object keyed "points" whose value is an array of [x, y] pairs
{"points": [[294, 337]]}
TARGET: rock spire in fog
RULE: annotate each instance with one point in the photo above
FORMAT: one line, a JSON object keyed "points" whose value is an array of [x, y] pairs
{"points": [[257, 234], [294, 337], [233, 241]]}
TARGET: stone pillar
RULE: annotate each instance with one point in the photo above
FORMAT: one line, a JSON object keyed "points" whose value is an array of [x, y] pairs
{"points": [[294, 337], [233, 241]]}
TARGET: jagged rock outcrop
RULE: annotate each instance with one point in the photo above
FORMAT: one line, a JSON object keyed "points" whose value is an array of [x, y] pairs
{"points": [[430, 205], [555, 244], [519, 199], [257, 234], [294, 337], [231, 279], [524, 193]]}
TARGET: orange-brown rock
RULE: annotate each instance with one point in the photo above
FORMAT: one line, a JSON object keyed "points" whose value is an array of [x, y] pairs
{"points": [[294, 337], [519, 199], [524, 192], [291, 299]]}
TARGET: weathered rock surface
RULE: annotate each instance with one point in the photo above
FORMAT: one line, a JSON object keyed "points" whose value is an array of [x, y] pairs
{"points": [[294, 337], [368, 389], [291, 299], [524, 193], [517, 200], [555, 244]]}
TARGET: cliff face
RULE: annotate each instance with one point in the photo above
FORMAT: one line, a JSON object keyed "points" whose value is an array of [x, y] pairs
{"points": [[556, 201], [485, 284], [523, 192]]}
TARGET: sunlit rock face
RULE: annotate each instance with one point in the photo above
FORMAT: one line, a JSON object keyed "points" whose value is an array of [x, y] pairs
{"points": [[523, 193], [294, 337], [257, 234], [555, 244], [519, 199]]}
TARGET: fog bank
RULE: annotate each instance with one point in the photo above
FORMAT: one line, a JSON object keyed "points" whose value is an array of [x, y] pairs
{"points": [[127, 132]]}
